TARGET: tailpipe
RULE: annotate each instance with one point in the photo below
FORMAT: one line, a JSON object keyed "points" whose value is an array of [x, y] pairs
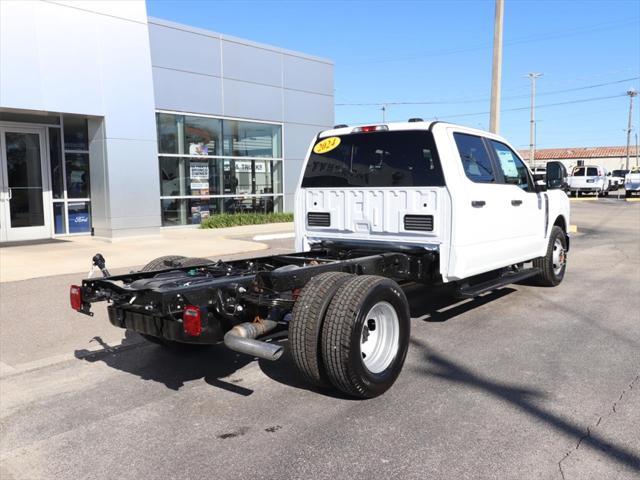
{"points": [[242, 338]]}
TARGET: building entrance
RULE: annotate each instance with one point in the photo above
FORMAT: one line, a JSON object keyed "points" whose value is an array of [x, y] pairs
{"points": [[25, 212]]}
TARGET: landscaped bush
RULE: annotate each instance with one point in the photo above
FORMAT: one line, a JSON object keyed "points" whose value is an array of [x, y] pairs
{"points": [[224, 220]]}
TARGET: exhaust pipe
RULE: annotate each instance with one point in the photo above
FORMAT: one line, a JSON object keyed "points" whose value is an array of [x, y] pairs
{"points": [[242, 338]]}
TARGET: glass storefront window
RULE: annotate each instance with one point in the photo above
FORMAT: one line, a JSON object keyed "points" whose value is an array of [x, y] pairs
{"points": [[57, 169], [202, 136], [76, 136], [170, 133], [77, 167], [60, 226], [250, 139], [79, 217], [246, 180], [188, 176], [192, 211]]}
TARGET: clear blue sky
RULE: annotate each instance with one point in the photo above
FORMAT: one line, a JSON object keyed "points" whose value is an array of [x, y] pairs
{"points": [[440, 51]]}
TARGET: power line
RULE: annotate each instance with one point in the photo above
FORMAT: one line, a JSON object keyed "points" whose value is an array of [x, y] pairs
{"points": [[570, 102], [458, 102], [584, 100], [533, 38]]}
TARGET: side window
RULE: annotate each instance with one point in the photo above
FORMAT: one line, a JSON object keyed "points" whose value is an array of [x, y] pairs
{"points": [[513, 169], [475, 158], [592, 172], [578, 172]]}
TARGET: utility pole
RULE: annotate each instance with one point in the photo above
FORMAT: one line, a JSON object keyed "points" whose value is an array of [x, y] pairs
{"points": [[384, 113], [632, 93], [532, 123], [496, 69]]}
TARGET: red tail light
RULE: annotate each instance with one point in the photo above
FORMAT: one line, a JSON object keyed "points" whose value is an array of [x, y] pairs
{"points": [[75, 297], [191, 321]]}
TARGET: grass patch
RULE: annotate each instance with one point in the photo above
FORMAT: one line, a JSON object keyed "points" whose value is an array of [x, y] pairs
{"points": [[225, 220]]}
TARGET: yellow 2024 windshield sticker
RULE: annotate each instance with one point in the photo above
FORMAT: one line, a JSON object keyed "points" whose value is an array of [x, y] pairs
{"points": [[326, 145]]}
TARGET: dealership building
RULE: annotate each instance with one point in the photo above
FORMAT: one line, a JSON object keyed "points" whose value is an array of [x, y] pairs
{"points": [[117, 124]]}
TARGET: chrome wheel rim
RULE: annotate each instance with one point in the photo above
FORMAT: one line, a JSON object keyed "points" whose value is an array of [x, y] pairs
{"points": [[379, 337], [559, 257]]}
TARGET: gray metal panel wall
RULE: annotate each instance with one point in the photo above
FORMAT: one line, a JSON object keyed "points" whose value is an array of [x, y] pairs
{"points": [[254, 82]]}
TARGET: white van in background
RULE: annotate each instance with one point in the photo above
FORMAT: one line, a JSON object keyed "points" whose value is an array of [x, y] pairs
{"points": [[589, 179]]}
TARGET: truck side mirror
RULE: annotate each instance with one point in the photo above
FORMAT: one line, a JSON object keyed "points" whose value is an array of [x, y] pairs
{"points": [[556, 175]]}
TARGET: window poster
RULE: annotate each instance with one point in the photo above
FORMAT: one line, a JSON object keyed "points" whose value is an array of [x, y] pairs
{"points": [[508, 163], [199, 178]]}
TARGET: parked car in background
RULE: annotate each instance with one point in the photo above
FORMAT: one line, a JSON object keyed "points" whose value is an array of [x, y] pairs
{"points": [[617, 178], [632, 182], [539, 175], [589, 179]]}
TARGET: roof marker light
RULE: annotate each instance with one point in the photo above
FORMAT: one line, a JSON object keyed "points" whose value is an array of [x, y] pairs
{"points": [[370, 128]]}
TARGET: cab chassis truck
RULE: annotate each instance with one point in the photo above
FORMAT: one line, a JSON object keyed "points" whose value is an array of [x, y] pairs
{"points": [[376, 206]]}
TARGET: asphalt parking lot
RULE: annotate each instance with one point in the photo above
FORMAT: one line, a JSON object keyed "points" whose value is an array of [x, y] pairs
{"points": [[524, 382]]}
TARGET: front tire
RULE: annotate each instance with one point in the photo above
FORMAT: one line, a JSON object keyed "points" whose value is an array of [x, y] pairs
{"points": [[365, 336], [554, 264]]}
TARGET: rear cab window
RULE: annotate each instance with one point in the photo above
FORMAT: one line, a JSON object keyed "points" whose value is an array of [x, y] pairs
{"points": [[374, 159], [475, 158]]}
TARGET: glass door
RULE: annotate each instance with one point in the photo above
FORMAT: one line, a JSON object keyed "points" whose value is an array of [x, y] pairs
{"points": [[24, 211]]}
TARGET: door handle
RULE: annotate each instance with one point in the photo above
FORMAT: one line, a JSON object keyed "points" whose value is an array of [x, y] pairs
{"points": [[10, 196], [516, 203], [478, 203]]}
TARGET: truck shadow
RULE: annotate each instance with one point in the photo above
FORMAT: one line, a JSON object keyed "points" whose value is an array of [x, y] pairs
{"points": [[526, 400], [439, 304], [173, 368]]}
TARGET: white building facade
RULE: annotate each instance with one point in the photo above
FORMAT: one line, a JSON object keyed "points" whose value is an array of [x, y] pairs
{"points": [[115, 124]]}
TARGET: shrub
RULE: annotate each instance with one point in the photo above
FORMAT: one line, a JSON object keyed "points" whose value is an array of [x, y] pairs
{"points": [[224, 220]]}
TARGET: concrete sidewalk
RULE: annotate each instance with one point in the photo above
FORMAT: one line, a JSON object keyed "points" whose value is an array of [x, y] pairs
{"points": [[73, 254]]}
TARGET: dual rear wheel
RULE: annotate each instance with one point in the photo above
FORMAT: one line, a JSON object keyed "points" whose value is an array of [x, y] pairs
{"points": [[351, 332]]}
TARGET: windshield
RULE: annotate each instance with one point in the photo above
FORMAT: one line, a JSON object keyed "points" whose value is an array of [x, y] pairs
{"points": [[619, 173], [375, 159]]}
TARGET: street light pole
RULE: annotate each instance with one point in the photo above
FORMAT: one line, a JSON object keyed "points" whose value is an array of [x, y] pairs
{"points": [[532, 122], [496, 70], [632, 93]]}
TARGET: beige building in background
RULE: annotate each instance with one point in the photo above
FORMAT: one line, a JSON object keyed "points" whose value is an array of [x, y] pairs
{"points": [[611, 158]]}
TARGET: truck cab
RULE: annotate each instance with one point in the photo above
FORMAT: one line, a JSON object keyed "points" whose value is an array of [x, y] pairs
{"points": [[460, 192]]}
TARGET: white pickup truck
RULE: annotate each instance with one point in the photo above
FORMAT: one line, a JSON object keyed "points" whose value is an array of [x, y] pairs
{"points": [[376, 206], [632, 182]]}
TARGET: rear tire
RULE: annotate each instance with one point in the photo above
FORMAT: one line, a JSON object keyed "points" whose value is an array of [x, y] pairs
{"points": [[365, 336], [306, 324], [554, 264]]}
